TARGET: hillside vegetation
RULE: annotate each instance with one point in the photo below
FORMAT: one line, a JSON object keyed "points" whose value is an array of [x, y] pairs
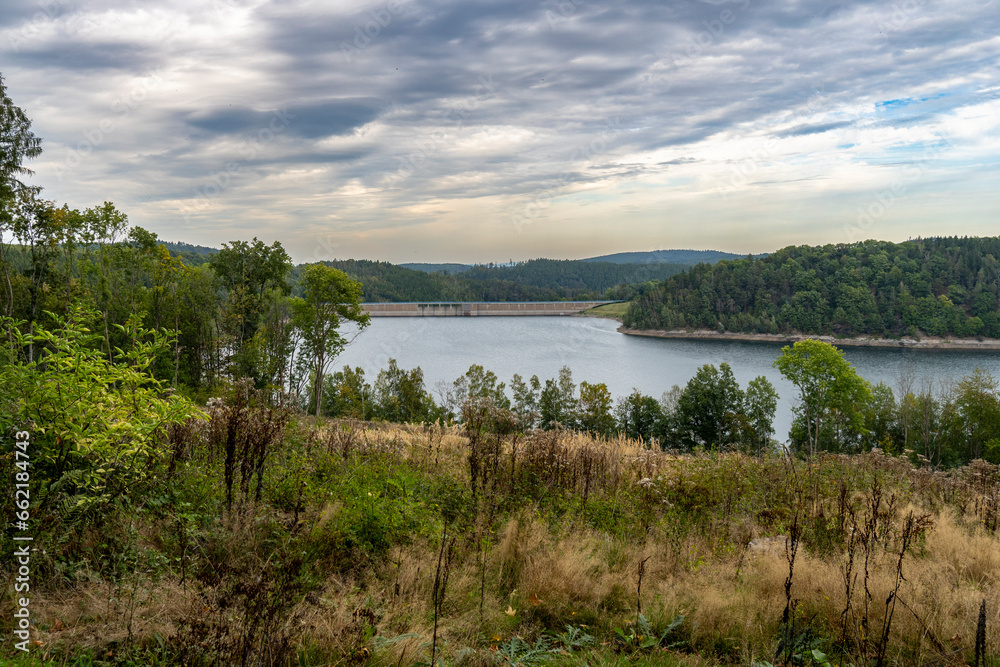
{"points": [[690, 257], [927, 287], [533, 280], [406, 545]]}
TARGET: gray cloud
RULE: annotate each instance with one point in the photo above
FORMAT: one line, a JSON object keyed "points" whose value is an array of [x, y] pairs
{"points": [[310, 121], [401, 112]]}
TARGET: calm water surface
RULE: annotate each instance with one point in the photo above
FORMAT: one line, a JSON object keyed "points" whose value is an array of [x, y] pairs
{"points": [[445, 347]]}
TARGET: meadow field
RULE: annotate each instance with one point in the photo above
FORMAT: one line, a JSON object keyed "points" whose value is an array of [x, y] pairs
{"points": [[286, 541]]}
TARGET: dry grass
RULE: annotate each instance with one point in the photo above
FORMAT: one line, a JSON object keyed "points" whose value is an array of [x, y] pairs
{"points": [[711, 529]]}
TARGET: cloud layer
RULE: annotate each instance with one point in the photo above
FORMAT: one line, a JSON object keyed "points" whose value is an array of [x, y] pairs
{"points": [[439, 130]]}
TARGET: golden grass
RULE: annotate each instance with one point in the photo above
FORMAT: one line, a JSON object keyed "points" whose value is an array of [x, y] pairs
{"points": [[536, 574]]}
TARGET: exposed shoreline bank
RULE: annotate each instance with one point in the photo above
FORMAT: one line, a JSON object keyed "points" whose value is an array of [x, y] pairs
{"points": [[930, 343]]}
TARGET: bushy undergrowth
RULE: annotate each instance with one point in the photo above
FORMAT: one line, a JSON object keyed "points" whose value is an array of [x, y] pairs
{"points": [[408, 545]]}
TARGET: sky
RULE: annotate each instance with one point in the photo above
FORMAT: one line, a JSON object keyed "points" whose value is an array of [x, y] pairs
{"points": [[467, 131]]}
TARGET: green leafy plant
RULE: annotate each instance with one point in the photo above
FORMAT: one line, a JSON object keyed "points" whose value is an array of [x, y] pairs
{"points": [[516, 651], [641, 636], [96, 423]]}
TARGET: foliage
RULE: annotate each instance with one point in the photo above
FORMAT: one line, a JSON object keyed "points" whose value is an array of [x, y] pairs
{"points": [[17, 144], [97, 424], [640, 417], [533, 280], [833, 395], [708, 408], [557, 401], [944, 286], [400, 395], [596, 410], [329, 298], [247, 273]]}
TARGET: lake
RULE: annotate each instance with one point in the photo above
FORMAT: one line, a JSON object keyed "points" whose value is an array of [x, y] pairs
{"points": [[445, 347]]}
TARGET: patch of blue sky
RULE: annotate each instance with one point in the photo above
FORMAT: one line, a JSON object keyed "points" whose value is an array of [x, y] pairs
{"points": [[895, 104], [905, 109], [918, 147]]}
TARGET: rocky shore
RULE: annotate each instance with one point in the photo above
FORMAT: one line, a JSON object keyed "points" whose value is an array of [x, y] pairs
{"points": [[928, 343]]}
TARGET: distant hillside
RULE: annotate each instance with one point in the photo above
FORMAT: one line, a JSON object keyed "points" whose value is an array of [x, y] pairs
{"points": [[570, 274], [534, 280], [689, 257], [178, 247], [193, 255], [934, 287], [436, 268]]}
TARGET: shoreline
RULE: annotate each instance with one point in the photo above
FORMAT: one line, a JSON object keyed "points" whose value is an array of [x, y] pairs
{"points": [[930, 343]]}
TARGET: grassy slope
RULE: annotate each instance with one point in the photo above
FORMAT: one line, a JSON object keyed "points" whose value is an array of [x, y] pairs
{"points": [[345, 549], [614, 311]]}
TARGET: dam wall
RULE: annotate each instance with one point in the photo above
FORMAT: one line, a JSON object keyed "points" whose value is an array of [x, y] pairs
{"points": [[479, 308]]}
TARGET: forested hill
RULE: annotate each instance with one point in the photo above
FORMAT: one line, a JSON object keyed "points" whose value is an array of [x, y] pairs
{"points": [[534, 280], [935, 287], [689, 257]]}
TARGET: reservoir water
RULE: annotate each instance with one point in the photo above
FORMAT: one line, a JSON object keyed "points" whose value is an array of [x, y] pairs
{"points": [[445, 347]]}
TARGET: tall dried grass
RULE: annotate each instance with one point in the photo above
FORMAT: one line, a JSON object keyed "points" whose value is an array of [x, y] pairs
{"points": [[552, 532]]}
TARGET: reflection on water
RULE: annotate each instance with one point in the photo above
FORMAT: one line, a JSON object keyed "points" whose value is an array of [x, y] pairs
{"points": [[445, 348]]}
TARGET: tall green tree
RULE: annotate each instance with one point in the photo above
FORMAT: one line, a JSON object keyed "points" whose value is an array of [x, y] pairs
{"points": [[17, 144], [477, 382], [248, 273], [708, 408], [595, 411], [348, 395], [557, 400], [400, 395], [329, 299], [525, 403], [832, 395], [759, 407], [978, 407], [639, 417], [42, 230]]}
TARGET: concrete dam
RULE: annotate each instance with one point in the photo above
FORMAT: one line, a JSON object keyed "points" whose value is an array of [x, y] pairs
{"points": [[479, 308]]}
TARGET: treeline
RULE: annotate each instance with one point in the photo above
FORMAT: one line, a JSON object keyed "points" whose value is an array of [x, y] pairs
{"points": [[945, 286], [837, 412], [711, 412], [232, 317], [533, 280]]}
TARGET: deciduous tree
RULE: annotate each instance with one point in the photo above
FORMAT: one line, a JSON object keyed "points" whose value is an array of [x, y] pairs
{"points": [[330, 297], [832, 394]]}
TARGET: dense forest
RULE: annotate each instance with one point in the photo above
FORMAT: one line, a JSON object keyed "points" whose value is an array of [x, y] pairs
{"points": [[944, 286], [689, 257], [532, 280]]}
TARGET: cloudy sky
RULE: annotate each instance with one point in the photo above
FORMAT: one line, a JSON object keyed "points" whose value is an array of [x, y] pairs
{"points": [[464, 130]]}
